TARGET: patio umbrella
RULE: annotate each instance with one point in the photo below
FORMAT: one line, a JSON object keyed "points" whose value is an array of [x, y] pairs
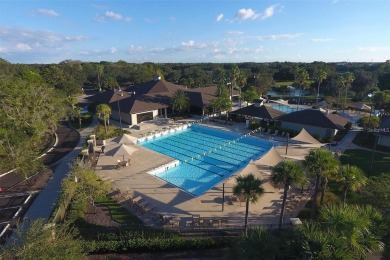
{"points": [[125, 139], [122, 149]]}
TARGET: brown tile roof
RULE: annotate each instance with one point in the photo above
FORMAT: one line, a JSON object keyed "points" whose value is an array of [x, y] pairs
{"points": [[315, 118], [260, 112], [153, 95]]}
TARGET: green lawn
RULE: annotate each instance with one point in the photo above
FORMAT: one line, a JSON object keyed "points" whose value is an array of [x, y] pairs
{"points": [[118, 213], [362, 159]]}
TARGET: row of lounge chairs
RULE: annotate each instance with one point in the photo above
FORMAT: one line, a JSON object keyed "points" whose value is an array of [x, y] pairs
{"points": [[275, 133]]}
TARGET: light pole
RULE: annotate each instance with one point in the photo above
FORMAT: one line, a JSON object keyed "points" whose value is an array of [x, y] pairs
{"points": [[119, 108], [370, 95]]}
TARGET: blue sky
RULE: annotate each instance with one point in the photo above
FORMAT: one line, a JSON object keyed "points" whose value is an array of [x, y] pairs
{"points": [[36, 31]]}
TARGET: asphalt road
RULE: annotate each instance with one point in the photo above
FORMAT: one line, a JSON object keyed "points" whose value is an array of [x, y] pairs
{"points": [[67, 139]]}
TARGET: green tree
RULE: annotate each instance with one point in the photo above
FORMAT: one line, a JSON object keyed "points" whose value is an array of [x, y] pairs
{"points": [[361, 228], [221, 104], [320, 76], [317, 243], [84, 185], [257, 243], [301, 75], [320, 163], [341, 83], [350, 178], [349, 78], [42, 241], [287, 173], [250, 188], [180, 101], [99, 73], [377, 192], [104, 111], [249, 95]]}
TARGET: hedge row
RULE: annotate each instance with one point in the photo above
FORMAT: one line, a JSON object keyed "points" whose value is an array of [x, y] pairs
{"points": [[152, 245]]}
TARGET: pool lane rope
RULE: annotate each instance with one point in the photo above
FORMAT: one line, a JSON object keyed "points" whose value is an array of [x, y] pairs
{"points": [[220, 147]]}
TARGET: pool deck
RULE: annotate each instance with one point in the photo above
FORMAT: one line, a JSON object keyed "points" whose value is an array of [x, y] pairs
{"points": [[133, 181]]}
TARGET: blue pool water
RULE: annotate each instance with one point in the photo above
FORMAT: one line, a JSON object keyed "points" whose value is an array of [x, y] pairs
{"points": [[284, 108], [207, 156]]}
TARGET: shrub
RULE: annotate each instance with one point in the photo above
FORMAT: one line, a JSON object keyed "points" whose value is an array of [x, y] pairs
{"points": [[254, 125], [152, 245]]}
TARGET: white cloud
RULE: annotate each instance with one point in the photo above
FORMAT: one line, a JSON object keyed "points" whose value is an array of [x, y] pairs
{"points": [[245, 14], [277, 36], [49, 12], [322, 40], [219, 17], [113, 49], [23, 47], [115, 16], [111, 15], [235, 33], [15, 39], [374, 49]]}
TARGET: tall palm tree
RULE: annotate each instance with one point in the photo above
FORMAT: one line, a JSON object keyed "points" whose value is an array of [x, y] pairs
{"points": [[301, 75], [320, 163], [287, 173], [349, 78], [351, 178], [249, 187], [320, 75], [340, 81], [234, 74], [99, 71], [104, 111], [360, 227], [180, 101]]}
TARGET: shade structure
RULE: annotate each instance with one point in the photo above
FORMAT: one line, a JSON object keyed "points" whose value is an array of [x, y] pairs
{"points": [[125, 139], [305, 137], [362, 106], [281, 102], [322, 104], [250, 168], [121, 150], [271, 158]]}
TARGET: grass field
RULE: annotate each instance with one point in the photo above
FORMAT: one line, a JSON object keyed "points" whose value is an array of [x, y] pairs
{"points": [[118, 213], [362, 159]]}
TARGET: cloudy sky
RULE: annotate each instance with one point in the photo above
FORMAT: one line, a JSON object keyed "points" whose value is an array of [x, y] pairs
{"points": [[50, 31]]}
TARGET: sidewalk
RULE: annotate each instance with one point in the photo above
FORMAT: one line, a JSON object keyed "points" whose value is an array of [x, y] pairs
{"points": [[43, 205]]}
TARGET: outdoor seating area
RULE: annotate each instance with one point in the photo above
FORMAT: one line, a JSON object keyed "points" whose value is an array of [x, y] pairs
{"points": [[122, 164]]}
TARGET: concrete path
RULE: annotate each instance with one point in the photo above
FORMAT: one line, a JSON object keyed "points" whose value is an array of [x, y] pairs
{"points": [[43, 205]]}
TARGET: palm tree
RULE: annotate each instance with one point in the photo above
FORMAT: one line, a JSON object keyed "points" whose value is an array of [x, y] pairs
{"points": [[221, 104], [360, 227], [340, 81], [287, 173], [180, 101], [301, 75], [349, 78], [258, 244], [104, 111], [351, 178], [234, 74], [249, 187], [321, 75], [318, 243], [320, 163], [99, 70]]}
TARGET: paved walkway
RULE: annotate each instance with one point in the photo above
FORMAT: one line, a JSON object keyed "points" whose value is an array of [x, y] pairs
{"points": [[43, 205]]}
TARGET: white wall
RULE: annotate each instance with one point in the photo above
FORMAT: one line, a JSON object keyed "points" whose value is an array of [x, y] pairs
{"points": [[384, 140]]}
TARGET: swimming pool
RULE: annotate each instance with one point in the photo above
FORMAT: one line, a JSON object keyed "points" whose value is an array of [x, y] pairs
{"points": [[284, 108], [206, 155]]}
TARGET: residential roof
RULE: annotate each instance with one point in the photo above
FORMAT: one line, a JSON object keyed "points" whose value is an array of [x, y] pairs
{"points": [[154, 94], [265, 112], [315, 117]]}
